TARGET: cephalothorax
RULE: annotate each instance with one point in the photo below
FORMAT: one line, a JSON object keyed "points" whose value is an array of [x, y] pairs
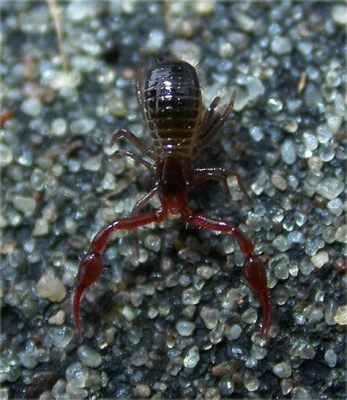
{"points": [[180, 128]]}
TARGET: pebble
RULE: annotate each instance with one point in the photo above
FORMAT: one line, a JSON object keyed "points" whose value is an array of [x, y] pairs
{"points": [[59, 127], [24, 204], [251, 384], [324, 134], [128, 313], [82, 10], [334, 122], [280, 265], [108, 182], [60, 336], [320, 259], [229, 301], [255, 87], [58, 318], [192, 357], [141, 391], [339, 14], [38, 179], [286, 386], [82, 126], [212, 394], [249, 316], [210, 316], [300, 393], [206, 272], [281, 243], [313, 245], [340, 316], [117, 107], [26, 158], [312, 313], [238, 39], [216, 335], [27, 360], [204, 7], [312, 96], [339, 105], [310, 140], [303, 349], [76, 375], [153, 242], [315, 163], [3, 222], [75, 392], [327, 152], [341, 234], [4, 393], [226, 50], [333, 78], [281, 271], [256, 133], [290, 126], [245, 22], [306, 267], [258, 352], [89, 44], [89, 356], [335, 206], [92, 164], [152, 312], [6, 155], [288, 151], [331, 358], [191, 296], [185, 50], [274, 105], [329, 313], [234, 332], [305, 47], [278, 181], [31, 106], [241, 99], [50, 287], [62, 81], [281, 45], [184, 328], [330, 188], [74, 165], [41, 227], [139, 357], [135, 335], [155, 40], [49, 212]]}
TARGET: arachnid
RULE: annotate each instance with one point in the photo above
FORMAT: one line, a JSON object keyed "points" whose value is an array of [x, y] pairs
{"points": [[180, 128]]}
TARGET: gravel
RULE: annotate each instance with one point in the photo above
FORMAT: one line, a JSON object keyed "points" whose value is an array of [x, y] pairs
{"points": [[171, 316]]}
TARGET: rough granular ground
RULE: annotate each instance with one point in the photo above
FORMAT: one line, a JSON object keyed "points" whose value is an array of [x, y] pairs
{"points": [[174, 319]]}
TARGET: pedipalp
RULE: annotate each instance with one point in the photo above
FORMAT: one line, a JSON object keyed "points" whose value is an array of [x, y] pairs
{"points": [[253, 268], [91, 265]]}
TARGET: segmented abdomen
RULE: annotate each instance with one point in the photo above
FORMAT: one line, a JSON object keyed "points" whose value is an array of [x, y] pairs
{"points": [[173, 106]]}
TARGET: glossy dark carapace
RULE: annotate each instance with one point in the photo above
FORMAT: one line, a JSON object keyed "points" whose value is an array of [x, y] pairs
{"points": [[180, 127]]}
